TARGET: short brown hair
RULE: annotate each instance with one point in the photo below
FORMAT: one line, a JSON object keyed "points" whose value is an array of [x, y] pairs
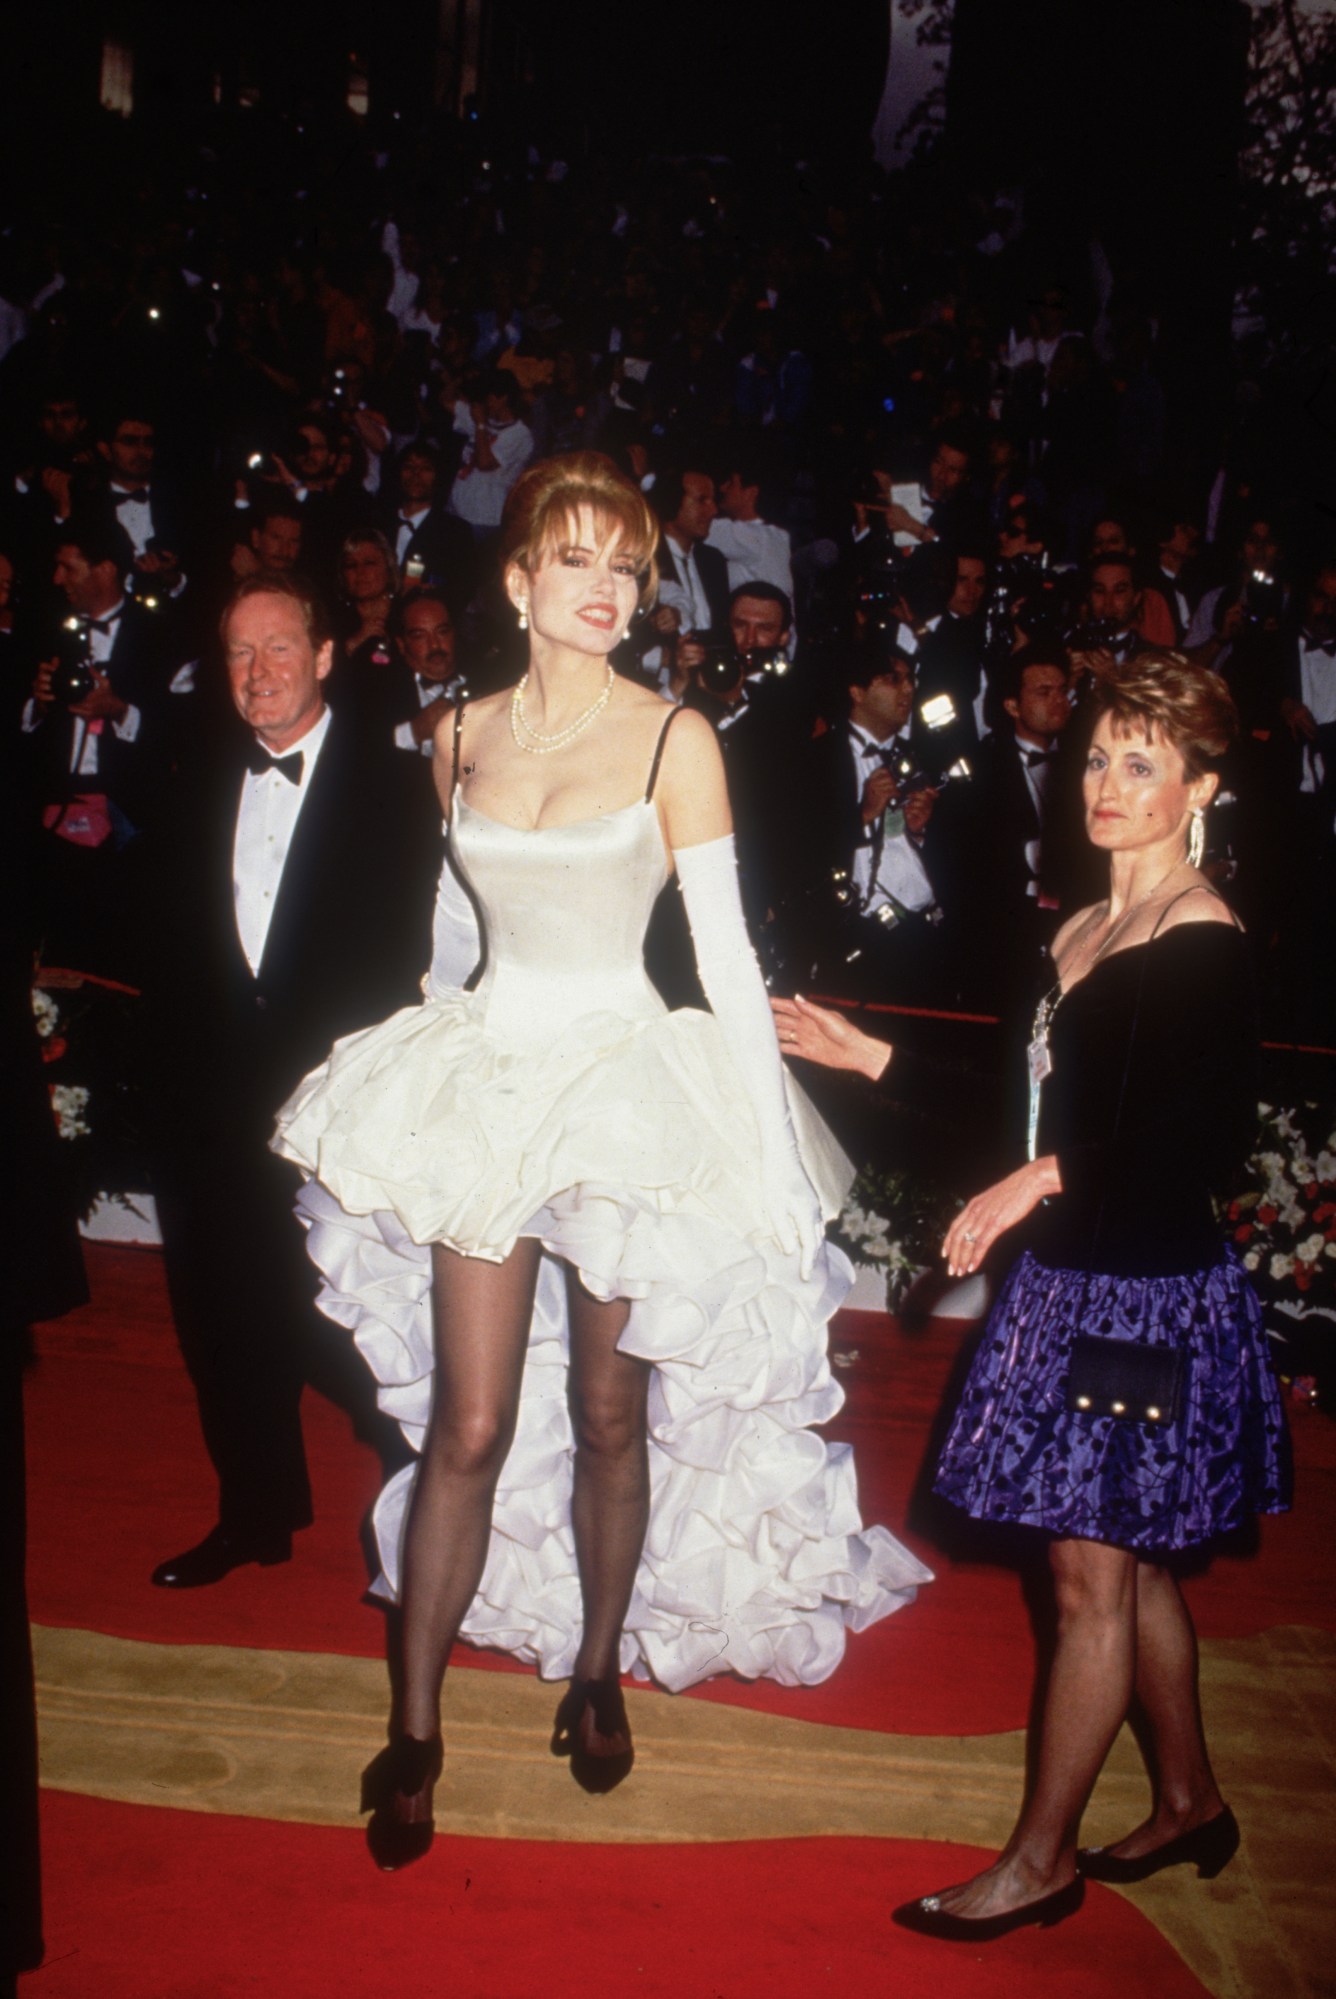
{"points": [[1162, 694], [269, 583], [544, 503]]}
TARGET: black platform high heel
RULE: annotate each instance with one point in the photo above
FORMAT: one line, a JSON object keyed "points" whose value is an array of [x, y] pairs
{"points": [[403, 1769], [588, 1708], [1212, 1846]]}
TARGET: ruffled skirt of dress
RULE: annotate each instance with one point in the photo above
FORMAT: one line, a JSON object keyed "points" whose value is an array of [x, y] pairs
{"points": [[1015, 1451], [630, 1150]]}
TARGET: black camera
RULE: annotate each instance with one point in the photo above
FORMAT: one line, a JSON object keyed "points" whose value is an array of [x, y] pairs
{"points": [[724, 668], [72, 680], [1263, 598], [1097, 634]]}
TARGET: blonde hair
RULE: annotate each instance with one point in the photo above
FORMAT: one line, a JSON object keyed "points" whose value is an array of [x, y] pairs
{"points": [[543, 508], [1162, 694]]}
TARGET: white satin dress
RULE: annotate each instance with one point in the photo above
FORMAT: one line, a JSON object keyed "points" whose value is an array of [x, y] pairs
{"points": [[561, 1100]]}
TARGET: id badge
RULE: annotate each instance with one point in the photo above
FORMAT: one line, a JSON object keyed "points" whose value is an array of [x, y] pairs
{"points": [[1041, 1062]]}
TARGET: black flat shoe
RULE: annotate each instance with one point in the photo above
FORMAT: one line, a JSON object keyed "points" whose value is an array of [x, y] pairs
{"points": [[403, 1769], [588, 1708], [1212, 1846], [217, 1555], [927, 1918]]}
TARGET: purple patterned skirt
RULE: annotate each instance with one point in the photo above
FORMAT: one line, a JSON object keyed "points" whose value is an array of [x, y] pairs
{"points": [[1016, 1453]]}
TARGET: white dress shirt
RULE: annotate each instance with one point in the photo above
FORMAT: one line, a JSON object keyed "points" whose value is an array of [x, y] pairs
{"points": [[755, 551], [410, 520], [1317, 690], [427, 692], [479, 497], [687, 595], [270, 807], [890, 870]]}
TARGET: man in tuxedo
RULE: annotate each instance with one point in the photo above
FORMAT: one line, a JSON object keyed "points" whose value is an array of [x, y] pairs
{"points": [[99, 755], [128, 450], [298, 873], [693, 577], [425, 672], [1000, 834], [872, 813], [431, 545], [950, 669]]}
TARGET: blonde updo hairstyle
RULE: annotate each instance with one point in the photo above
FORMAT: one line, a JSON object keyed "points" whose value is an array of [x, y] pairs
{"points": [[1161, 695], [543, 510]]}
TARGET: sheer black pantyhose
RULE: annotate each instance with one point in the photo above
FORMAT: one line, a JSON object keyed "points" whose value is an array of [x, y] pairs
{"points": [[480, 1325], [610, 1495], [481, 1314]]}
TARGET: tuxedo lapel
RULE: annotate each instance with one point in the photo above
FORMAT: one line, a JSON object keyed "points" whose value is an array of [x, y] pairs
{"points": [[309, 856]]}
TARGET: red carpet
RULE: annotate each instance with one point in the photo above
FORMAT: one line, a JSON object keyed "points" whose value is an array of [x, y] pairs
{"points": [[296, 1910], [119, 1479]]}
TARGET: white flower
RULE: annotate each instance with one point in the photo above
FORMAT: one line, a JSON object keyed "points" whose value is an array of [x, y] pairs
{"points": [[1330, 1250], [45, 1012], [1301, 1166], [1281, 1266], [1254, 1257], [1311, 1248], [69, 1101], [1326, 1165]]}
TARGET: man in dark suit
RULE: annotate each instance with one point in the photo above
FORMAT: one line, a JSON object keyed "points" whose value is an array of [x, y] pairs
{"points": [[871, 815], [693, 578], [430, 545], [1002, 834], [299, 880], [99, 752]]}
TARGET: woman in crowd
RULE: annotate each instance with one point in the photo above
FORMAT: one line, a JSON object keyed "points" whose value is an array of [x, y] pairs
{"points": [[598, 1223], [1122, 1400]]}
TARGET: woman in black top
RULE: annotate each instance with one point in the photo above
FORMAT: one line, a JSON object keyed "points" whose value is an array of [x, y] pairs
{"points": [[1143, 1100]]}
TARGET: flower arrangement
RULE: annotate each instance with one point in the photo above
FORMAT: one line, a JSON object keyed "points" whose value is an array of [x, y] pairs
{"points": [[86, 1028], [893, 1222], [1283, 1224]]}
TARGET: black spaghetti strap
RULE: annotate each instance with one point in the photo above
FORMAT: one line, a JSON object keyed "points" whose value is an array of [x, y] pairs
{"points": [[658, 753], [454, 752]]}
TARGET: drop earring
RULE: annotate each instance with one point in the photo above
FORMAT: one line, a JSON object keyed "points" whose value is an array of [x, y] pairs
{"points": [[524, 617], [1196, 836]]}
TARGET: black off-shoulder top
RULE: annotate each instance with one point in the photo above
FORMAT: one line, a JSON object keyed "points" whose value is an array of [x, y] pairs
{"points": [[1150, 1108]]}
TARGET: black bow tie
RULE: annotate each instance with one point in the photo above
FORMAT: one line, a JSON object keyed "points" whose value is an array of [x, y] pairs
{"points": [[1319, 648], [1036, 757], [139, 495], [105, 625], [259, 761], [887, 753]]}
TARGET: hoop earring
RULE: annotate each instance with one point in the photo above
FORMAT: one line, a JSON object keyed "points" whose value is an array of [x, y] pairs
{"points": [[524, 617], [1196, 836]]}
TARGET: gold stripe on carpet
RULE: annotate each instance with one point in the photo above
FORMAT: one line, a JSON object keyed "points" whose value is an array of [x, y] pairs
{"points": [[284, 1735]]}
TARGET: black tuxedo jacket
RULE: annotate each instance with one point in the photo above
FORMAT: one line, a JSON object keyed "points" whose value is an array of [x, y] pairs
{"points": [[950, 662], [833, 828], [349, 939], [713, 572], [986, 827], [445, 546]]}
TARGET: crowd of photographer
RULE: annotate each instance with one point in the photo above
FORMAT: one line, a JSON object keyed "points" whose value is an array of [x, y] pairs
{"points": [[913, 503]]}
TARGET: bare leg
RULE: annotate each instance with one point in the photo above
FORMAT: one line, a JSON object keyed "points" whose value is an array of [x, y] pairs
{"points": [[610, 1494], [1186, 1794], [480, 1315], [1085, 1705]]}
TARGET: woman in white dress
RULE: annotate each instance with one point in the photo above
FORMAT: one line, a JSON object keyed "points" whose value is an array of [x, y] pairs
{"points": [[578, 1238]]}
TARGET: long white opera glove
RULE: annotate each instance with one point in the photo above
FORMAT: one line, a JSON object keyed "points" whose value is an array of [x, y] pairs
{"points": [[733, 985], [456, 942]]}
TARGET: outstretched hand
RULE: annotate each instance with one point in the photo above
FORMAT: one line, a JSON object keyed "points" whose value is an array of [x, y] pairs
{"points": [[990, 1214], [818, 1035]]}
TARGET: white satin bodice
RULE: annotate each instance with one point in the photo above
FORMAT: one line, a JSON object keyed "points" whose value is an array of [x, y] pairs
{"points": [[564, 911]]}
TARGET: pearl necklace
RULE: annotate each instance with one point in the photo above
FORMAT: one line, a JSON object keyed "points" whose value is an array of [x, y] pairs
{"points": [[543, 745]]}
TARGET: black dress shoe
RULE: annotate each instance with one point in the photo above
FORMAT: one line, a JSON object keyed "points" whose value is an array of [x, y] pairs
{"points": [[587, 1708], [217, 1555], [1212, 1846], [928, 1919], [405, 1767]]}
